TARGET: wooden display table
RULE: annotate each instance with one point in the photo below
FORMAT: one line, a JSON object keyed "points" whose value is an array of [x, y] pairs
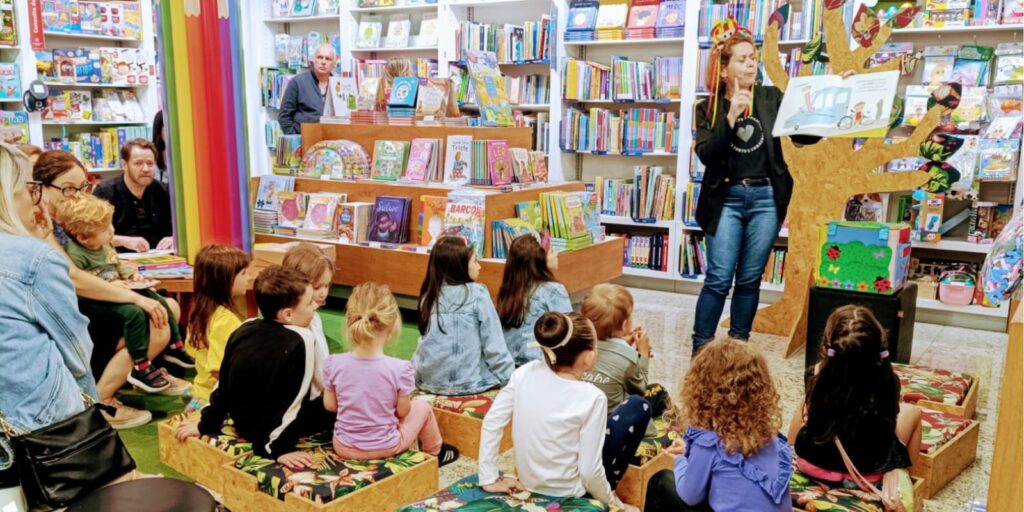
{"points": [[1004, 489]]}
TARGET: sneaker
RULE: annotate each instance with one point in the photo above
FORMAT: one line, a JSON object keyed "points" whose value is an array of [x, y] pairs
{"points": [[176, 386], [126, 417], [148, 378], [176, 355], [447, 455]]}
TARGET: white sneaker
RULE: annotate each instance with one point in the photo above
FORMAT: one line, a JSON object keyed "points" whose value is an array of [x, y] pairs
{"points": [[126, 417], [177, 386]]}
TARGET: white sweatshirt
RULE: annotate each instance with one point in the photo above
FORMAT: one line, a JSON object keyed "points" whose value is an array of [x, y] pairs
{"points": [[558, 430]]}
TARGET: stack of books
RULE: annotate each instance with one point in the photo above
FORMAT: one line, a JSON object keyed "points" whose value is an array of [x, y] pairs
{"points": [[265, 208], [424, 161], [291, 212], [611, 20], [563, 213], [504, 231], [491, 163], [633, 132], [582, 21], [643, 16], [402, 101], [690, 197], [691, 255], [158, 264], [320, 220], [647, 252], [352, 222], [671, 14], [632, 80], [389, 223], [585, 80]]}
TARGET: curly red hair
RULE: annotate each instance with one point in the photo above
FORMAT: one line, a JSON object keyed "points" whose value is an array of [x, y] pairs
{"points": [[729, 390]]}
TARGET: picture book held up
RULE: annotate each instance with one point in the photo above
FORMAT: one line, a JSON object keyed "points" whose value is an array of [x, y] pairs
{"points": [[831, 106]]}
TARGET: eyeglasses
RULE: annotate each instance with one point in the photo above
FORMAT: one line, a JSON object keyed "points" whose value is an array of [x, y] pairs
{"points": [[35, 191], [72, 191]]}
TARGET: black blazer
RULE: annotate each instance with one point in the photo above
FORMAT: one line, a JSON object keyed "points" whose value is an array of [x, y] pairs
{"points": [[712, 147]]}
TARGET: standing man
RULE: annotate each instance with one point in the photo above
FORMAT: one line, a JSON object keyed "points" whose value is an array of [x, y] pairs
{"points": [[303, 100], [142, 206]]}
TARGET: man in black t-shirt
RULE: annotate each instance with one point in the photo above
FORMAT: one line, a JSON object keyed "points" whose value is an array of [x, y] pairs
{"points": [[142, 206]]}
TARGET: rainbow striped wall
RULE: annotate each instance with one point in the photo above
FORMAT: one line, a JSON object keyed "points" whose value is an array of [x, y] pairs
{"points": [[205, 116]]}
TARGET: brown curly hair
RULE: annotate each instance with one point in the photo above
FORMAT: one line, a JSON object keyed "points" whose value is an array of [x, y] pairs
{"points": [[728, 390]]}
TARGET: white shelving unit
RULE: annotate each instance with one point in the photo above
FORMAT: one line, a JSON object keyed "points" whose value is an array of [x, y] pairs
{"points": [[148, 95]]}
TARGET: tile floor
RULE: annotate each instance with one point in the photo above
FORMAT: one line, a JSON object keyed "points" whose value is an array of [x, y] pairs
{"points": [[669, 317]]}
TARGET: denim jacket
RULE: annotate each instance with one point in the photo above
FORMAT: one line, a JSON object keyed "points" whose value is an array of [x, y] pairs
{"points": [[550, 296], [44, 340], [470, 356]]}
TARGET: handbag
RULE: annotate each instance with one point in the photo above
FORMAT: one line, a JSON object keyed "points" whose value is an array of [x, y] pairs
{"points": [[68, 459], [897, 493]]}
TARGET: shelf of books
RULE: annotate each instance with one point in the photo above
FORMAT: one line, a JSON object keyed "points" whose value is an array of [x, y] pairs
{"points": [[98, 63]]}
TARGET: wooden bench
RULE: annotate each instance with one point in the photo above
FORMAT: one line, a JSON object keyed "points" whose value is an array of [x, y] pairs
{"points": [[917, 383], [460, 419], [650, 458], [949, 445], [256, 484], [200, 458]]}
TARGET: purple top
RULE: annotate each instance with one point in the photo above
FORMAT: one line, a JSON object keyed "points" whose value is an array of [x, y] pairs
{"points": [[733, 482], [368, 391]]}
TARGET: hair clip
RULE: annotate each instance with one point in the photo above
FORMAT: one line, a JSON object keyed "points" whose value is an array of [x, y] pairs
{"points": [[883, 354], [830, 352]]}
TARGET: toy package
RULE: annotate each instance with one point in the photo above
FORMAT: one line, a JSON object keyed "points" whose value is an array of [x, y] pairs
{"points": [[927, 215], [916, 103], [1001, 273], [939, 13], [869, 257], [965, 160], [1009, 63], [972, 65], [970, 113], [938, 64], [997, 159]]}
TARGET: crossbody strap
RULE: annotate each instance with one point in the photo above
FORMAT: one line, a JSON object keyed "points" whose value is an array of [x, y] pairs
{"points": [[11, 431], [863, 482]]}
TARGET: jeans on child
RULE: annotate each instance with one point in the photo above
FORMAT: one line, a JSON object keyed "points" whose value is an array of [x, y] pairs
{"points": [[626, 426], [739, 250], [420, 424]]}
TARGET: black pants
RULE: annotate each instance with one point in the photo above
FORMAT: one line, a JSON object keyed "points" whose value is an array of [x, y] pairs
{"points": [[626, 426], [662, 495]]}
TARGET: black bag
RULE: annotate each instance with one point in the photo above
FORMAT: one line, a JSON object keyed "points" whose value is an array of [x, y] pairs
{"points": [[68, 459]]}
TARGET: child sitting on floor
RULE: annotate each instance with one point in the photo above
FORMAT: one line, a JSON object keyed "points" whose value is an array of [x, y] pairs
{"points": [[623, 352], [528, 290], [264, 384], [371, 392], [461, 350], [734, 458], [853, 406], [88, 222], [560, 424], [220, 278], [319, 269]]}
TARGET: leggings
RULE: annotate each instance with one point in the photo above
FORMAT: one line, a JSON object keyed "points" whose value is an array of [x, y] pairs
{"points": [[626, 426], [662, 495]]}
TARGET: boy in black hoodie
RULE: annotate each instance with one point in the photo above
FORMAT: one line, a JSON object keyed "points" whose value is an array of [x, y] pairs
{"points": [[264, 384]]}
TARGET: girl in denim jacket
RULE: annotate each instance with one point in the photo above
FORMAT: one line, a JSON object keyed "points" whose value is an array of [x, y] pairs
{"points": [[461, 348], [528, 290]]}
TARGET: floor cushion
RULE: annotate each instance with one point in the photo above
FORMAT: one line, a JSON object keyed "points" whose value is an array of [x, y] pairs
{"points": [[931, 384], [812, 495], [227, 441], [466, 493], [329, 478], [938, 428], [668, 431], [474, 406]]}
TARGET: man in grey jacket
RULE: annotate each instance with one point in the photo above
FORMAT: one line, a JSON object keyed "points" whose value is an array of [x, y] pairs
{"points": [[303, 100]]}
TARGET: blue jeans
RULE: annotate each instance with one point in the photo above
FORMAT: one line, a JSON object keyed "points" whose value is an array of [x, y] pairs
{"points": [[738, 250]]}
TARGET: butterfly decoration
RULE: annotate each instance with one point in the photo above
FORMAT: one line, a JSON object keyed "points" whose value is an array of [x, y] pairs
{"points": [[834, 4], [865, 26], [939, 147], [833, 269], [896, 115], [780, 16], [814, 51], [878, 255], [947, 95], [904, 17], [942, 176]]}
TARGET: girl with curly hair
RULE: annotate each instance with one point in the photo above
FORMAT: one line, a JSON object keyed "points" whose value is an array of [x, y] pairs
{"points": [[731, 456]]}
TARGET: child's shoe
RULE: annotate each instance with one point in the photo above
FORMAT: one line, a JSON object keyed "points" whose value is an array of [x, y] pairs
{"points": [[148, 378], [176, 355], [176, 386], [447, 455]]}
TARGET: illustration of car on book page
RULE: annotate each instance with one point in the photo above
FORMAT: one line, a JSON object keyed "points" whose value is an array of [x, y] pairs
{"points": [[824, 107]]}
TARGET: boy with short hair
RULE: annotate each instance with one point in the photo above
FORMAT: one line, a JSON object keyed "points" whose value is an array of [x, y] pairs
{"points": [[88, 222], [265, 377]]}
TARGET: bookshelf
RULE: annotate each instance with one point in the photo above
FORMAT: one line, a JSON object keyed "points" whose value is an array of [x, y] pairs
{"points": [[41, 131]]}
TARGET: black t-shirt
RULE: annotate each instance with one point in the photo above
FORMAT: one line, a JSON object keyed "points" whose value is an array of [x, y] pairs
{"points": [[748, 154], [873, 448], [149, 217]]}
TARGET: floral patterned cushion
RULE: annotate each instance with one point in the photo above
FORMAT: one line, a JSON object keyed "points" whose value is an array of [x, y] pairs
{"points": [[652, 446], [329, 477], [474, 406], [938, 428], [814, 495], [467, 495], [227, 441], [935, 385]]}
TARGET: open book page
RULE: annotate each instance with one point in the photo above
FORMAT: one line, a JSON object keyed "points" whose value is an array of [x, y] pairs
{"points": [[830, 106]]}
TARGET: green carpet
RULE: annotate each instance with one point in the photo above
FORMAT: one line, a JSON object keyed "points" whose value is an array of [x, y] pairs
{"points": [[142, 441]]}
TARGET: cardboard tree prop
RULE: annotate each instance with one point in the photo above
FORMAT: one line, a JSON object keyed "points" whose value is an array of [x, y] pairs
{"points": [[826, 174]]}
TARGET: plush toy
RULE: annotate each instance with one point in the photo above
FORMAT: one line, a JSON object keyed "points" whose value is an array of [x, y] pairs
{"points": [[1001, 273]]}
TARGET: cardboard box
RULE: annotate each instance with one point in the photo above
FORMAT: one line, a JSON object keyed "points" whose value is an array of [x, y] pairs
{"points": [[267, 254], [867, 257]]}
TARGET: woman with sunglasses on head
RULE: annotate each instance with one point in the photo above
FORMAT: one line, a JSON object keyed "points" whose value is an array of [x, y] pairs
{"points": [[63, 178], [747, 186]]}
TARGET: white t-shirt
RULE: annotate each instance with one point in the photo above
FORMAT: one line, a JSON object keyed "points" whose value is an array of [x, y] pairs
{"points": [[558, 429]]}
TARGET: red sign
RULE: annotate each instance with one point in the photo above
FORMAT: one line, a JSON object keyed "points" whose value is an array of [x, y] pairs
{"points": [[35, 25]]}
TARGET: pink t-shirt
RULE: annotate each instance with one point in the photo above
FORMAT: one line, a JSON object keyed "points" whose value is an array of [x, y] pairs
{"points": [[368, 391]]}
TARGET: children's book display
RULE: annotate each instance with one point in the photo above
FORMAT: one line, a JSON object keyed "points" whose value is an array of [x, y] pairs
{"points": [[464, 217], [512, 44], [8, 27], [611, 19], [264, 213], [16, 119], [647, 198], [109, 66], [492, 164], [369, 31], [564, 215], [632, 132], [338, 159], [115, 19], [10, 81], [303, 8], [389, 222], [298, 50], [402, 100], [389, 159], [491, 96], [432, 215], [399, 26], [353, 221], [424, 161], [320, 221], [99, 149]]}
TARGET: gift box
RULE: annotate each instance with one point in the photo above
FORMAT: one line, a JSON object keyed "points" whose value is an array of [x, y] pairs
{"points": [[867, 257]]}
